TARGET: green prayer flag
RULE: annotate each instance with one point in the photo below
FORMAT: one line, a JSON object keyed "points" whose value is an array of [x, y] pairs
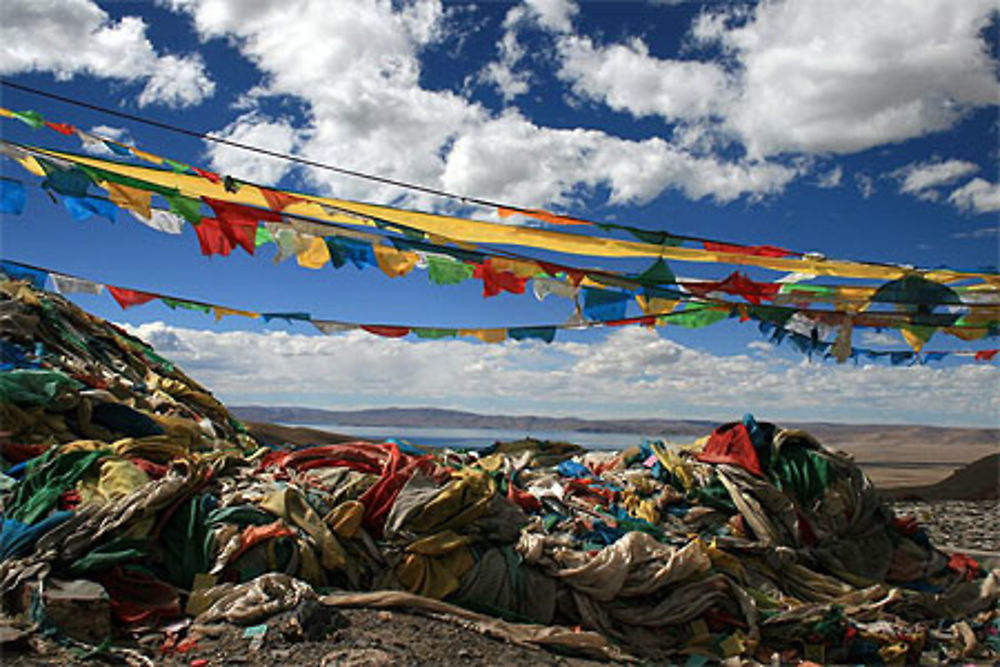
{"points": [[770, 313], [655, 237], [546, 334], [818, 290], [98, 174], [263, 236], [433, 334], [923, 333], [612, 281], [32, 118], [179, 167], [186, 207], [187, 305], [658, 274], [445, 271], [696, 318]]}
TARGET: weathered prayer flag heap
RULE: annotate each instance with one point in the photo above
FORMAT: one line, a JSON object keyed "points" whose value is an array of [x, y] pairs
{"points": [[124, 476]]}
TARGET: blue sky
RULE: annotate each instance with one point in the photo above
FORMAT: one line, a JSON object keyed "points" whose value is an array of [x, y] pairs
{"points": [[863, 130]]}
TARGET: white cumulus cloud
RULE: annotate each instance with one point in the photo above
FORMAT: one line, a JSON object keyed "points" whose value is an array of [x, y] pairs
{"points": [[977, 196], [841, 76], [634, 371], [922, 178], [77, 37], [361, 81], [805, 76], [627, 78], [253, 130]]}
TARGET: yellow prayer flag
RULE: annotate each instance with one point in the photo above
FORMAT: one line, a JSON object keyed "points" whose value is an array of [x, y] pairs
{"points": [[30, 164], [519, 267], [967, 333], [394, 263], [315, 255], [912, 339], [148, 157], [467, 231], [221, 311], [656, 305], [130, 198], [485, 335]]}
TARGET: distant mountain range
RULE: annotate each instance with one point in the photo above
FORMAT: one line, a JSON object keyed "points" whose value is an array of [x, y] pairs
{"points": [[438, 418]]}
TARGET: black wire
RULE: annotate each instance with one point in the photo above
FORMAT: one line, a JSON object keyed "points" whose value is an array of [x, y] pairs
{"points": [[349, 172], [311, 163]]}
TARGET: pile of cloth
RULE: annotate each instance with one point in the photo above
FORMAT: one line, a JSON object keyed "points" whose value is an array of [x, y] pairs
{"points": [[752, 543]]}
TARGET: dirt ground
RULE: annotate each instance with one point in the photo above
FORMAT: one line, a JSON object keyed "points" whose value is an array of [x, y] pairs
{"points": [[373, 638]]}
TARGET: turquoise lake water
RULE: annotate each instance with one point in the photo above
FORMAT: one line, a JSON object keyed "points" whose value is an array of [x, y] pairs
{"points": [[477, 438]]}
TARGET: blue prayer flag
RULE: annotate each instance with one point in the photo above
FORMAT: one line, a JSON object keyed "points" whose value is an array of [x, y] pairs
{"points": [[11, 196]]}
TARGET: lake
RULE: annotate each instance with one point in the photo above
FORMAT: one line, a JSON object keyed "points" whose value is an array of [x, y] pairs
{"points": [[475, 438]]}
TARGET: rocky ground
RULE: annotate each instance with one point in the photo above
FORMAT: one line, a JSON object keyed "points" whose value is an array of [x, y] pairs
{"points": [[959, 524]]}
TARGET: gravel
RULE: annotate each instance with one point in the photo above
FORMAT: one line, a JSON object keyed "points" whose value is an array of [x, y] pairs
{"points": [[964, 524]]}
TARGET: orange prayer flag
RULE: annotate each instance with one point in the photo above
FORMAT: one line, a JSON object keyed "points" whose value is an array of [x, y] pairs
{"points": [[539, 214]]}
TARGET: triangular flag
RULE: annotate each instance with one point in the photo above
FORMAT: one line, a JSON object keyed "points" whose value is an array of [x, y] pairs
{"points": [[31, 118], [127, 298], [278, 200], [161, 221], [657, 274], [386, 331]]}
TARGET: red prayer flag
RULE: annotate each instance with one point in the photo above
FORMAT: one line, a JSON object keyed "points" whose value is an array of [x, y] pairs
{"points": [[277, 199], [986, 355], [127, 298], [495, 281], [212, 239], [575, 275], [644, 320], [386, 331], [240, 214], [239, 223], [212, 176], [731, 444], [737, 284], [241, 234], [61, 128], [758, 250]]}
